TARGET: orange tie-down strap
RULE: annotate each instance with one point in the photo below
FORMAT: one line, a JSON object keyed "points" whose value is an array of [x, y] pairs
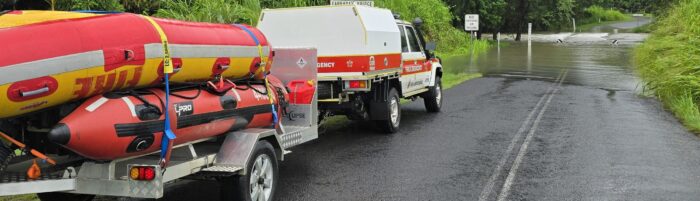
{"points": [[32, 151]]}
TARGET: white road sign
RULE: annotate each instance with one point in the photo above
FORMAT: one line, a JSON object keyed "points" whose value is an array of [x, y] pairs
{"points": [[471, 22]]}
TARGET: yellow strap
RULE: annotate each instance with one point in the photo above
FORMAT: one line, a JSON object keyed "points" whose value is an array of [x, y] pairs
{"points": [[167, 61], [263, 64], [263, 59]]}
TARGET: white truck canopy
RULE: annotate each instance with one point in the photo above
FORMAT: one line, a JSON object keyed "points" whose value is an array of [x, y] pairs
{"points": [[333, 30]]}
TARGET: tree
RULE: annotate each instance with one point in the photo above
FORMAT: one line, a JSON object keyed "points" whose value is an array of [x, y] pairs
{"points": [[490, 12]]}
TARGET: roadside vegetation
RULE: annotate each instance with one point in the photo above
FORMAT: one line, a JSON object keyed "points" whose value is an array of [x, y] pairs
{"points": [[512, 16], [598, 16], [435, 14], [669, 62]]}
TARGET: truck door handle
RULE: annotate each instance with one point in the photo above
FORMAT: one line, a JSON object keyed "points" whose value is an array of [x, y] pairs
{"points": [[34, 92]]}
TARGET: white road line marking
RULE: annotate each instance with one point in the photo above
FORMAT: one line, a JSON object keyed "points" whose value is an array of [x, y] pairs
{"points": [[130, 104], [486, 192], [505, 191], [99, 102]]}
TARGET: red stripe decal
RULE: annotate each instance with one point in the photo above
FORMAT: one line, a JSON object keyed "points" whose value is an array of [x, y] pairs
{"points": [[416, 66], [367, 63]]}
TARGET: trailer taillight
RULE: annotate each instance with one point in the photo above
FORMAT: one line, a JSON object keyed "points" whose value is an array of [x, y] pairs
{"points": [[356, 84], [143, 173]]}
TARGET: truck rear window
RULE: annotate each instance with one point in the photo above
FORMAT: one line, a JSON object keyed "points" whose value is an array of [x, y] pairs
{"points": [[413, 40], [404, 44]]}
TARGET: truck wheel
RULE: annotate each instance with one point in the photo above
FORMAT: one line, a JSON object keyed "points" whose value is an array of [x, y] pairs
{"points": [[64, 197], [260, 182], [393, 105], [433, 97]]}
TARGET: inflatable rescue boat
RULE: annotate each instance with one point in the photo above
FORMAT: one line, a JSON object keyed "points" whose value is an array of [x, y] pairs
{"points": [[49, 58], [122, 124]]}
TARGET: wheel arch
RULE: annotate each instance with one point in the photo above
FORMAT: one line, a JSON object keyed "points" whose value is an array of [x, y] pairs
{"points": [[435, 72], [279, 151]]}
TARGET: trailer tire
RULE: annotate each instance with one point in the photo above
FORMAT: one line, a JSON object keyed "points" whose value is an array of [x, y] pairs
{"points": [[261, 165], [433, 97], [6, 155], [56, 196], [393, 108]]}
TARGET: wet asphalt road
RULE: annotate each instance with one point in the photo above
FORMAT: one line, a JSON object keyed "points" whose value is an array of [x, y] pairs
{"points": [[560, 123]]}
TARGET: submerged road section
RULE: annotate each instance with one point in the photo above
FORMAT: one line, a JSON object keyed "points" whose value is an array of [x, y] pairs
{"points": [[547, 122]]}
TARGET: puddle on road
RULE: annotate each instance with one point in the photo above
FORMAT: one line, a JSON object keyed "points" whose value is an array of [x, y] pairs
{"points": [[590, 63]]}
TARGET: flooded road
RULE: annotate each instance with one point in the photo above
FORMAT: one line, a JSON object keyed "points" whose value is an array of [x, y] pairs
{"points": [[549, 122], [596, 64]]}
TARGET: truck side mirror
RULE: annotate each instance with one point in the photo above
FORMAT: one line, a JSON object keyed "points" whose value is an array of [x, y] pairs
{"points": [[431, 46], [417, 22]]}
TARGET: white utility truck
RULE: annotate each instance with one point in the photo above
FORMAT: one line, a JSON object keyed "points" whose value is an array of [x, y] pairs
{"points": [[367, 59]]}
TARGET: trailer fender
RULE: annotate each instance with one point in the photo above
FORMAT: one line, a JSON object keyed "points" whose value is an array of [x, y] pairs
{"points": [[238, 147]]}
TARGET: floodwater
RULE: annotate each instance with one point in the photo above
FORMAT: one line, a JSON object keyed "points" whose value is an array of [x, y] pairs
{"points": [[591, 58]]}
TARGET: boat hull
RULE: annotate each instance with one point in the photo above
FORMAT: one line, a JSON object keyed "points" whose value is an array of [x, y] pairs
{"points": [[113, 126], [54, 61]]}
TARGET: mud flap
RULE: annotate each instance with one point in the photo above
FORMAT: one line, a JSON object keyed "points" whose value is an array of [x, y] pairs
{"points": [[378, 110]]}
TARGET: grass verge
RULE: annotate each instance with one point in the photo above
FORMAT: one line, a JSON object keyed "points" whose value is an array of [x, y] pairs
{"points": [[26, 197], [669, 62], [599, 16], [589, 26]]}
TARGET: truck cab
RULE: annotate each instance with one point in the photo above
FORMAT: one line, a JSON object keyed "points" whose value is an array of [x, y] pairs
{"points": [[368, 59]]}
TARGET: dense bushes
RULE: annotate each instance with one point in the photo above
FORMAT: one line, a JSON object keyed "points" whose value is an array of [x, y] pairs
{"points": [[669, 62], [219, 11], [438, 24], [596, 13], [435, 13]]}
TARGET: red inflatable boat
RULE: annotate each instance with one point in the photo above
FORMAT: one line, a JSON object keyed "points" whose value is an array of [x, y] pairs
{"points": [[122, 124], [49, 58]]}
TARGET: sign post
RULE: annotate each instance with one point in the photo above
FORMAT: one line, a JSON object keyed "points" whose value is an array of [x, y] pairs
{"points": [[529, 32], [471, 24], [638, 16]]}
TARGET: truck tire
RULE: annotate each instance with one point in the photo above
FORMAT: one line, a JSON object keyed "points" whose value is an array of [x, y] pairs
{"points": [[261, 179], [393, 105], [433, 97], [56, 196]]}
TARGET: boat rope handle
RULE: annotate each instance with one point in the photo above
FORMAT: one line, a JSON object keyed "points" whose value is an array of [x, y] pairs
{"points": [[263, 63], [168, 135]]}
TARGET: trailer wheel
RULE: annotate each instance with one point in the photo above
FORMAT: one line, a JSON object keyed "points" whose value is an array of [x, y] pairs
{"points": [[6, 155], [433, 97], [393, 105], [55, 196], [260, 182]]}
